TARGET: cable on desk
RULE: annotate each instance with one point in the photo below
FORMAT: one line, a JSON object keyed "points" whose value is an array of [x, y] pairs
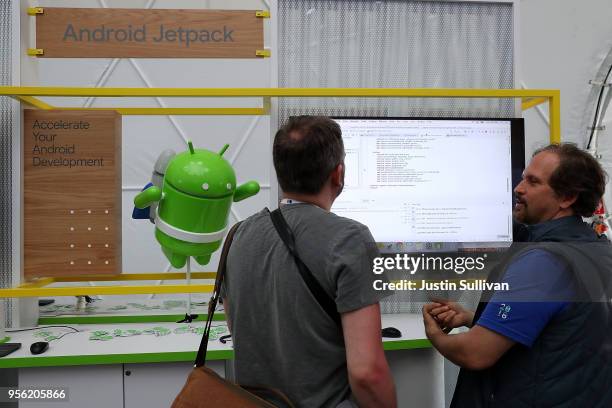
{"points": [[42, 327], [63, 335]]}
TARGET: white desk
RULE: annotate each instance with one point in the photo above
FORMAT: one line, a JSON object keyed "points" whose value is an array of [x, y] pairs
{"points": [[145, 370]]}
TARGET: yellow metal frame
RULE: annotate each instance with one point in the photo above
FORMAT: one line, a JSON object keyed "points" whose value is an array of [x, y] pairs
{"points": [[28, 95], [529, 98], [38, 287]]}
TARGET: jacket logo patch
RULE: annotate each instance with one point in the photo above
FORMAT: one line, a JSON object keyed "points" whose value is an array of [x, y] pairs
{"points": [[504, 311]]}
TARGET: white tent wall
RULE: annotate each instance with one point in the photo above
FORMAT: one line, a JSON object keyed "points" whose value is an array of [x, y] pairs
{"points": [[561, 46]]}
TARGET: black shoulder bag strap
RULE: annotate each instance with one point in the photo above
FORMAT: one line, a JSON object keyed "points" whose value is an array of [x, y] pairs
{"points": [[212, 304], [324, 300]]}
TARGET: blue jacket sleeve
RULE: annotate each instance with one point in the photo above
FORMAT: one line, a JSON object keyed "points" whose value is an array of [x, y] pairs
{"points": [[540, 287]]}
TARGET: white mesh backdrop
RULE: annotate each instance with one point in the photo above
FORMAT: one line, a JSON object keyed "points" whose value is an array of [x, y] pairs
{"points": [[389, 44], [6, 172], [396, 44]]}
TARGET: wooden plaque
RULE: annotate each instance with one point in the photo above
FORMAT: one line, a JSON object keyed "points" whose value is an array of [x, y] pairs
{"points": [[157, 33], [72, 193]]}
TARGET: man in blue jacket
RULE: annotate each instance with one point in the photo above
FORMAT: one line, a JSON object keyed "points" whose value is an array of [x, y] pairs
{"points": [[547, 341]]}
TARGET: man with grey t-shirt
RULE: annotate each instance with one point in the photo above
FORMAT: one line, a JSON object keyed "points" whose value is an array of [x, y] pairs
{"points": [[282, 337]]}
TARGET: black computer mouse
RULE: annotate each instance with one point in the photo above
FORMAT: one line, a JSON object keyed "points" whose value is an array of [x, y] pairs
{"points": [[391, 332], [39, 347]]}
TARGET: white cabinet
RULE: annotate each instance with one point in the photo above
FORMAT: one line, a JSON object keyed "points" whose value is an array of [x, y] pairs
{"points": [[117, 385], [99, 386], [156, 385]]}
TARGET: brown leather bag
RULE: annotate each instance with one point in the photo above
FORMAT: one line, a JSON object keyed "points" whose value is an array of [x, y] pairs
{"points": [[204, 387]]}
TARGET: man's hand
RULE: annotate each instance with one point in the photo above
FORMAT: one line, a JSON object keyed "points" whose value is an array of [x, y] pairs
{"points": [[476, 349], [449, 315], [432, 326]]}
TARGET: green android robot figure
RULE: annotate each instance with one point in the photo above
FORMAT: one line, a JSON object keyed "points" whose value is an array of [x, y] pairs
{"points": [[198, 190]]}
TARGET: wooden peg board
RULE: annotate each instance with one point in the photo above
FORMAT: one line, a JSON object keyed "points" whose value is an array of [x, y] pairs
{"points": [[72, 193]]}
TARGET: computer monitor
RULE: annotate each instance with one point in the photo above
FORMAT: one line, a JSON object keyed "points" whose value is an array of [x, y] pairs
{"points": [[432, 184]]}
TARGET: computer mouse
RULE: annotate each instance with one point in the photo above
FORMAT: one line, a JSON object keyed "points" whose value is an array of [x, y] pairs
{"points": [[39, 347], [391, 332]]}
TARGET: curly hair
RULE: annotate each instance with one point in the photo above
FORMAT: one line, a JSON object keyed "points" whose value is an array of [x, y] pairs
{"points": [[578, 174]]}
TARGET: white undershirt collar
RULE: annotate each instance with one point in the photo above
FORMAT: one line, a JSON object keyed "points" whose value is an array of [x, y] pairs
{"points": [[292, 201]]}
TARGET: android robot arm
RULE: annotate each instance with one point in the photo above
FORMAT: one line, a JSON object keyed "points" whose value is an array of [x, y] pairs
{"points": [[157, 180], [142, 213], [246, 190], [147, 197]]}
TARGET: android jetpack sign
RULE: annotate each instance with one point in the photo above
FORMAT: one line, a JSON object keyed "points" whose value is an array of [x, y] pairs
{"points": [[156, 33], [182, 36]]}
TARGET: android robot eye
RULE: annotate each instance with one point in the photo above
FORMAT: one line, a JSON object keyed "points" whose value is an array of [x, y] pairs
{"points": [[229, 186], [205, 186]]}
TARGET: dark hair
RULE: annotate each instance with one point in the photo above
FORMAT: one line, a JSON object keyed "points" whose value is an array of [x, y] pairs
{"points": [[578, 174], [306, 150]]}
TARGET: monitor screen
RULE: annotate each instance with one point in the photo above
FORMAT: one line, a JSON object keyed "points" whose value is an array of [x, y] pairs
{"points": [[432, 184]]}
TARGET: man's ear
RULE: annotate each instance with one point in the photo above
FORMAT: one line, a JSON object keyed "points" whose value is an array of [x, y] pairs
{"points": [[568, 201], [336, 175]]}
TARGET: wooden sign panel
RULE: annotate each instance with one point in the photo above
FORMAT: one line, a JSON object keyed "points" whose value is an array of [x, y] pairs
{"points": [[72, 193], [124, 33]]}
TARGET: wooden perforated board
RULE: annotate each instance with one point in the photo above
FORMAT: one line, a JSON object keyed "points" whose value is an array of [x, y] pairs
{"points": [[72, 193], [143, 33]]}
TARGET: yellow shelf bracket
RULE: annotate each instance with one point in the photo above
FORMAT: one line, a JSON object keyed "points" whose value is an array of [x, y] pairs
{"points": [[32, 11], [262, 14], [35, 52], [528, 103], [263, 53], [267, 105], [35, 102]]}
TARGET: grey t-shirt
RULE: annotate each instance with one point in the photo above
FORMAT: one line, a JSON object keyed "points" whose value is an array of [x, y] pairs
{"points": [[282, 337]]}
